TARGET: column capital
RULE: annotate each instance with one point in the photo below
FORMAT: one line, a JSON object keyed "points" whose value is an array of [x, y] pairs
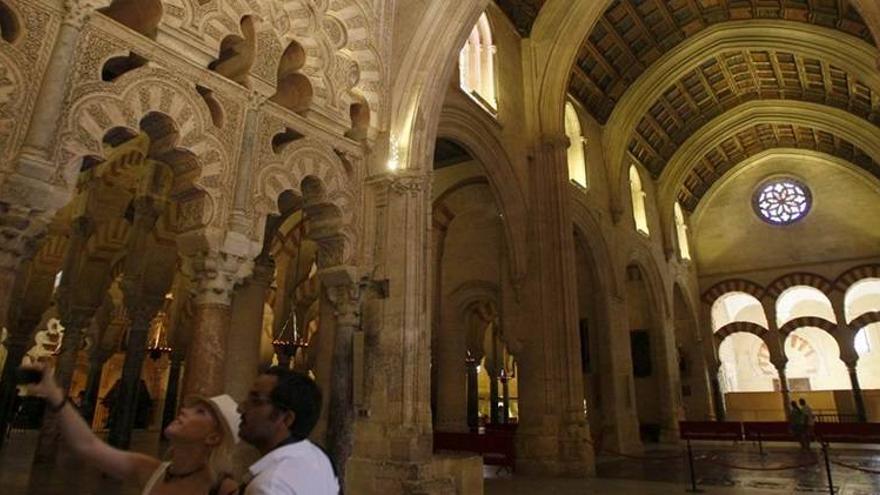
{"points": [[214, 275], [553, 142], [263, 271]]}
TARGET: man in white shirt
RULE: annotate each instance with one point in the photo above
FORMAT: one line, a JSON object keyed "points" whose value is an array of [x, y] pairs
{"points": [[277, 417]]}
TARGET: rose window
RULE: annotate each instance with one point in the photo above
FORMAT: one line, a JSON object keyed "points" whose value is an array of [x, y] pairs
{"points": [[782, 201]]}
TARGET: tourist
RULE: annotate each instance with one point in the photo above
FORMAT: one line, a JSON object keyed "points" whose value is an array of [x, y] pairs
{"points": [[201, 439], [809, 424], [277, 417]]}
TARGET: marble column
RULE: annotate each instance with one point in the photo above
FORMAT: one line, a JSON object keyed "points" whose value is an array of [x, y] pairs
{"points": [[97, 358], [846, 341], [243, 344], [717, 395], [213, 277], [473, 394], [858, 397], [345, 297], [141, 310], [74, 322], [172, 390], [17, 345]]}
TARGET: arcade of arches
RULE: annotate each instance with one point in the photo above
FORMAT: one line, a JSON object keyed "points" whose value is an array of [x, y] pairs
{"points": [[568, 219]]}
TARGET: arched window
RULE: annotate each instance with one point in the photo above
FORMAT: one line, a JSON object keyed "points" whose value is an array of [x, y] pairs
{"points": [[640, 214], [681, 231], [477, 64], [577, 165]]}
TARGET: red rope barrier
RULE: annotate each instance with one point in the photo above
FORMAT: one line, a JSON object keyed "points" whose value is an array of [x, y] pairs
{"points": [[856, 468]]}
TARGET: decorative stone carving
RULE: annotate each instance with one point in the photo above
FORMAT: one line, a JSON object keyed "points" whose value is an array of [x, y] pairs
{"points": [[214, 275]]}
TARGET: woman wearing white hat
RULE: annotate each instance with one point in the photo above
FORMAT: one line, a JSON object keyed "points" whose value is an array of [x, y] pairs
{"points": [[201, 437]]}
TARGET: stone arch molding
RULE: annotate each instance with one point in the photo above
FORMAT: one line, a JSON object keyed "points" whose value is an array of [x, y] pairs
{"points": [[301, 160], [12, 100], [642, 258], [101, 108], [479, 137]]}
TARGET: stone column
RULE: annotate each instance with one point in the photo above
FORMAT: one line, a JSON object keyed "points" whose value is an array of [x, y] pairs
{"points": [[243, 345], [553, 434], [343, 293], [213, 277], [670, 380], [776, 345]]}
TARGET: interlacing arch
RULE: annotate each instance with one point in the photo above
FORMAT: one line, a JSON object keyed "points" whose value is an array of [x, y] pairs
{"points": [[808, 321], [853, 275], [291, 170], [733, 285], [781, 284], [740, 327], [864, 320]]}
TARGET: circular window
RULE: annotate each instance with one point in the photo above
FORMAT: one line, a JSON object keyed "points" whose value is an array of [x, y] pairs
{"points": [[782, 201]]}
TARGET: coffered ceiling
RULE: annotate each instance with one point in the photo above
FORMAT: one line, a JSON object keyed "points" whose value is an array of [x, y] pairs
{"points": [[723, 82], [754, 140]]}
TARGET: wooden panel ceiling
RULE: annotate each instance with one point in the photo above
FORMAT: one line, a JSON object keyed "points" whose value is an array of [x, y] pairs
{"points": [[522, 13], [723, 82], [762, 137], [633, 34]]}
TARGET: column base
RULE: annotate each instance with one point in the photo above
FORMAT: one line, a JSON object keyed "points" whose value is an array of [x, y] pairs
{"points": [[565, 453], [441, 475]]}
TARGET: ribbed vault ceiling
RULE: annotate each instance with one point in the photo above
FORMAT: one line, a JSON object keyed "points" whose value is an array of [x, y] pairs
{"points": [[762, 137]]}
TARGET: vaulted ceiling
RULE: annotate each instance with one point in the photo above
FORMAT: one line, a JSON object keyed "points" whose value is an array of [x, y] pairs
{"points": [[633, 34]]}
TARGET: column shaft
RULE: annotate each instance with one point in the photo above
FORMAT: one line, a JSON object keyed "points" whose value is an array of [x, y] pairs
{"points": [[173, 388]]}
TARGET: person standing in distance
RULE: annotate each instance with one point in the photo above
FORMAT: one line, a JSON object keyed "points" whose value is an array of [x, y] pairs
{"points": [[281, 410]]}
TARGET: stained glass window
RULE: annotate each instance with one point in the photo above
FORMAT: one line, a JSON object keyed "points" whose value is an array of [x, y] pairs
{"points": [[782, 201]]}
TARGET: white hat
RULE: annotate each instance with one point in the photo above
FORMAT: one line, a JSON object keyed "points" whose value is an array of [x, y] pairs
{"points": [[226, 409]]}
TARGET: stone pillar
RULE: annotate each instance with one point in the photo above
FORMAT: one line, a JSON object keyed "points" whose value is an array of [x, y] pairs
{"points": [[173, 388], [553, 434], [451, 406], [213, 277], [243, 344], [342, 291], [392, 452]]}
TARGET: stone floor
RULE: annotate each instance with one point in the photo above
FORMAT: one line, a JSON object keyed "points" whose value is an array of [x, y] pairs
{"points": [[659, 473]]}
